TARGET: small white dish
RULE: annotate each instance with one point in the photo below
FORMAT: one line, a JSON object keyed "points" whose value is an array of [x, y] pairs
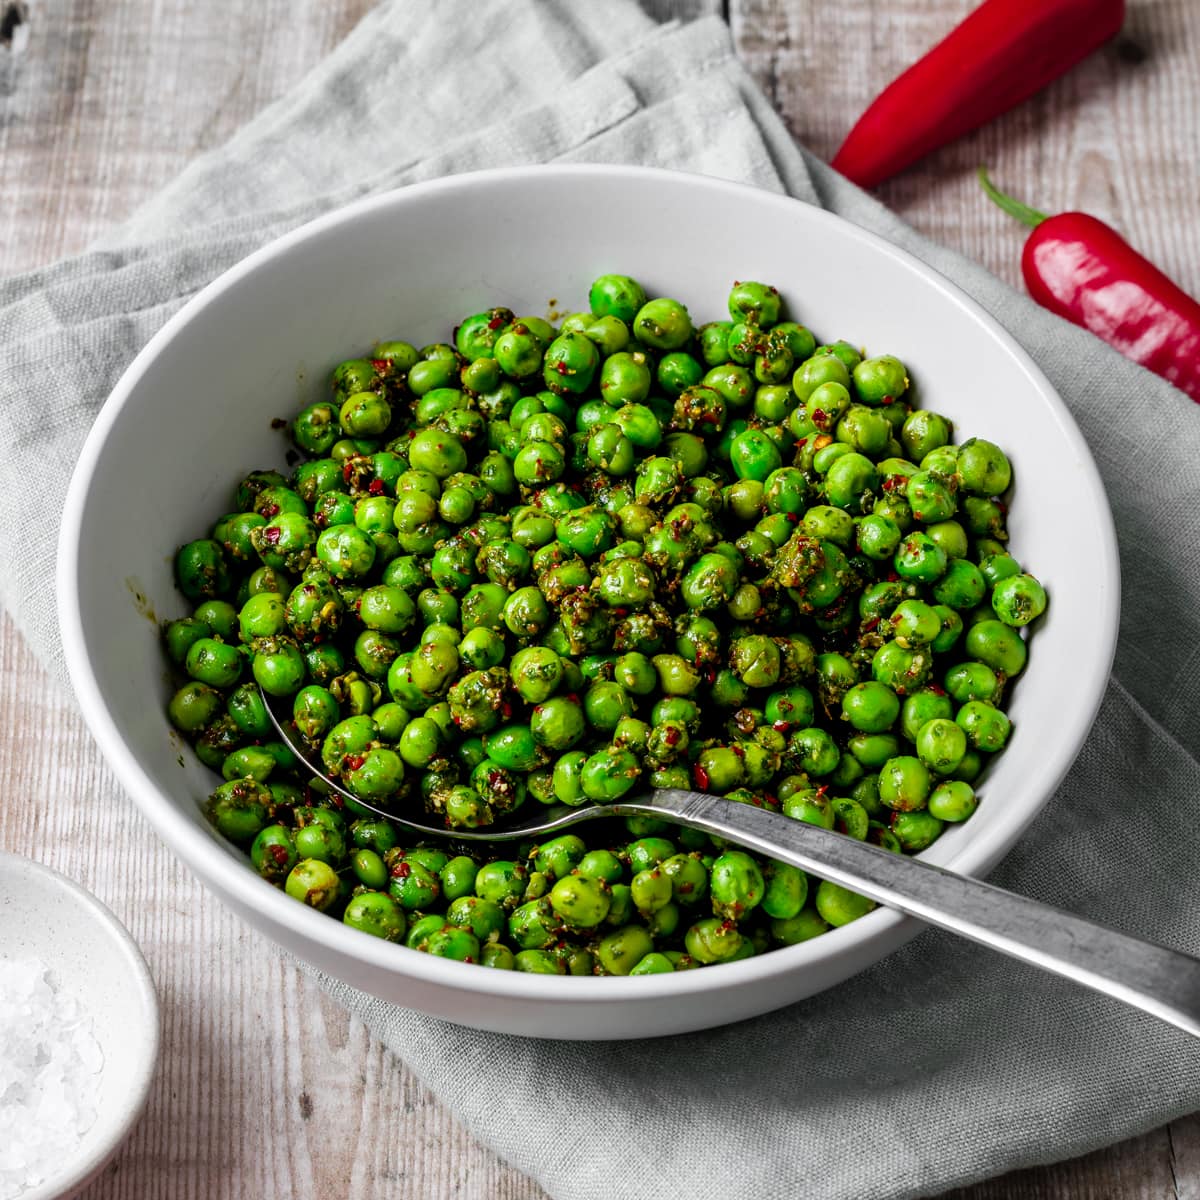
{"points": [[91, 957]]}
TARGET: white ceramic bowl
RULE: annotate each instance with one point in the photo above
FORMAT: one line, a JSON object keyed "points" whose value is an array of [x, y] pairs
{"points": [[91, 957], [193, 414]]}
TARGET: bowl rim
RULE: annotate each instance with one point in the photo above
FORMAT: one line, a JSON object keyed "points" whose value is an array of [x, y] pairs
{"points": [[217, 868], [145, 1051]]}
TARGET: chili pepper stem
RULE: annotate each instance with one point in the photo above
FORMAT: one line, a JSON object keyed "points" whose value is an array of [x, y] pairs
{"points": [[1014, 208]]}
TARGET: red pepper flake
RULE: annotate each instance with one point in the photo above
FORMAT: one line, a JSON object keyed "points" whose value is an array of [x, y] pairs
{"points": [[279, 854], [781, 726], [495, 323], [381, 364], [892, 577], [353, 761], [506, 710], [820, 418], [269, 511], [375, 487], [401, 871], [937, 689], [822, 789], [888, 400], [561, 368], [347, 471], [738, 751], [871, 625], [700, 775], [671, 736], [889, 483], [272, 534]]}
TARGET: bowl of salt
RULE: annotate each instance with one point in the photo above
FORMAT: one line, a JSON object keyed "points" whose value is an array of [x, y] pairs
{"points": [[79, 1033]]}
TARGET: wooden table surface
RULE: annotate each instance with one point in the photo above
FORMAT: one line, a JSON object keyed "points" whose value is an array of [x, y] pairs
{"points": [[266, 1091]]}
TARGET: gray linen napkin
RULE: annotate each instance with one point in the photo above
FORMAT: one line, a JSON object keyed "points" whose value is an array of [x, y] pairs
{"points": [[943, 1064]]}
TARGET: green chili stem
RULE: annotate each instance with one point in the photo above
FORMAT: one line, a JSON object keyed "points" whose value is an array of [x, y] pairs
{"points": [[1014, 208]]}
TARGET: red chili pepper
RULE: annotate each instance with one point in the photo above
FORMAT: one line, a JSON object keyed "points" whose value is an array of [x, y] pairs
{"points": [[1000, 55], [1083, 270]]}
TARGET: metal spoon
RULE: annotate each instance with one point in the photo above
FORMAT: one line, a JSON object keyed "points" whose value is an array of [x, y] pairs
{"points": [[1154, 978]]}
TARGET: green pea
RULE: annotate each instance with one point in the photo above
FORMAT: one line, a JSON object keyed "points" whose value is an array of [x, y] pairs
{"points": [[916, 831], [710, 582], [569, 364], [921, 707], [818, 369], [877, 537], [920, 559], [998, 646], [806, 924], [924, 431], [193, 707], [214, 663], [713, 940], [201, 569], [786, 891], [880, 380], [238, 809], [364, 414], [904, 783], [346, 551], [754, 455], [838, 905], [616, 295], [609, 774], [971, 681], [871, 707], [998, 566], [941, 744], [374, 775], [986, 727], [736, 884], [866, 430], [534, 925], [756, 660], [413, 885], [815, 750], [580, 900], [849, 479], [378, 914], [961, 587], [1018, 599], [315, 883], [513, 746], [273, 853], [983, 468], [557, 723]]}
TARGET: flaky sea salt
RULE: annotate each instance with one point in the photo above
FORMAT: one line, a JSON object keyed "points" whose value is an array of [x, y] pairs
{"points": [[49, 1075]]}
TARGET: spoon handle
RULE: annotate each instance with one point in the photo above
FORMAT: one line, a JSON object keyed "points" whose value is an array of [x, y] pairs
{"points": [[1163, 982]]}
